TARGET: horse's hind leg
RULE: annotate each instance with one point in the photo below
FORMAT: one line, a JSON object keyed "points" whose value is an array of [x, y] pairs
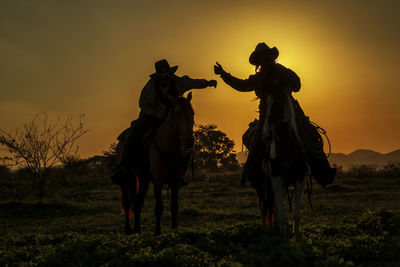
{"points": [[298, 192], [158, 210], [278, 188], [141, 191], [126, 202], [174, 206], [262, 204]]}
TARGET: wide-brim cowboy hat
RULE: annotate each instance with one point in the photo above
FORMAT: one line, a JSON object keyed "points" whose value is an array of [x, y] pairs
{"points": [[163, 68], [261, 49]]}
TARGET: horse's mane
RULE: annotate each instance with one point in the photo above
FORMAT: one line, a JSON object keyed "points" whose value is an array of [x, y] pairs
{"points": [[182, 101]]}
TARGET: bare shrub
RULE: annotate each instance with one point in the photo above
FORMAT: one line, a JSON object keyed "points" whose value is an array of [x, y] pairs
{"points": [[39, 145]]}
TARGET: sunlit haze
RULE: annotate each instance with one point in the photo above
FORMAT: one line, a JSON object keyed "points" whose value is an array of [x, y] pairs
{"points": [[94, 57]]}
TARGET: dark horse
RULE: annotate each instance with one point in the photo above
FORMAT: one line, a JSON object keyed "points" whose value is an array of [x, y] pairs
{"points": [[283, 164], [168, 154]]}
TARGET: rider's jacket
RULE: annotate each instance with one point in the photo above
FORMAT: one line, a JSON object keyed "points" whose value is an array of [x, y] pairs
{"points": [[278, 79], [154, 100]]}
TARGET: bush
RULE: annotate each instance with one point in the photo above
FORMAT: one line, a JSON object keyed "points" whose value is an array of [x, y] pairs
{"points": [[213, 149], [390, 170], [40, 145], [72, 182], [247, 244], [368, 239]]}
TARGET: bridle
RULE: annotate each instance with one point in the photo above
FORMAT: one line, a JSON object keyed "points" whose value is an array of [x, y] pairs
{"points": [[188, 120]]}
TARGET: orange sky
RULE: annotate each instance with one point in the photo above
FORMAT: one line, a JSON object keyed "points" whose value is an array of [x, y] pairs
{"points": [[94, 57]]}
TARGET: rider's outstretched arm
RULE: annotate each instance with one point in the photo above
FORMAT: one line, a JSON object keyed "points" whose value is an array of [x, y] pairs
{"points": [[240, 85], [186, 83]]}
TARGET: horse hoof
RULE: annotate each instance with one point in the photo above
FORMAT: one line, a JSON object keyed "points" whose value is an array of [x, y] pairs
{"points": [[128, 231]]}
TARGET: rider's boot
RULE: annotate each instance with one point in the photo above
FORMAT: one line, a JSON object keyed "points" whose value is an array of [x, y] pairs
{"points": [[321, 170], [253, 162], [129, 157], [133, 146], [314, 146]]}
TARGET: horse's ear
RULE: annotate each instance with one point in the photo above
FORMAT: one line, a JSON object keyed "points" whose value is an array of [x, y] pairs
{"points": [[189, 96]]}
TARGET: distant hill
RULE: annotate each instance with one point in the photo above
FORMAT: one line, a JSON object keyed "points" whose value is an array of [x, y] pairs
{"points": [[364, 156], [360, 156]]}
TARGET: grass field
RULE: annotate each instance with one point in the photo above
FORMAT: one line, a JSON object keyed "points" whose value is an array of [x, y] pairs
{"points": [[353, 222]]}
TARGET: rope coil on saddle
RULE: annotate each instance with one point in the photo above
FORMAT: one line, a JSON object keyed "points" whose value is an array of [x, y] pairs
{"points": [[322, 131], [315, 147]]}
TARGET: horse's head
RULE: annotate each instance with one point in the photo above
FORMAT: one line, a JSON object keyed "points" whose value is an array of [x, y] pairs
{"points": [[182, 115], [279, 117]]}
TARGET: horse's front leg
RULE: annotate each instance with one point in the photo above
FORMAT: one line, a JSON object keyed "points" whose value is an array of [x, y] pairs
{"points": [[141, 191], [298, 192], [279, 194], [174, 205], [126, 203], [262, 207], [158, 210]]}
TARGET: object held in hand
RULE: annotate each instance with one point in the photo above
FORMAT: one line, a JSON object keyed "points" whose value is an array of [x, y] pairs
{"points": [[213, 83]]}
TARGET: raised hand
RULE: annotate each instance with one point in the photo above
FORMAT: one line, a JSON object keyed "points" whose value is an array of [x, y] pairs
{"points": [[218, 69]]}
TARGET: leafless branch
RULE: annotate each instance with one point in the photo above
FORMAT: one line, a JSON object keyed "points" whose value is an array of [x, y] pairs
{"points": [[40, 144]]}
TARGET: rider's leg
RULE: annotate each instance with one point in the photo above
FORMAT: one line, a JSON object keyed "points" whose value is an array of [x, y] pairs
{"points": [[134, 141], [253, 161], [132, 146], [313, 143]]}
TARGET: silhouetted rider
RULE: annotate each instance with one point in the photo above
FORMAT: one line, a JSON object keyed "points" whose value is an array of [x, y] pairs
{"points": [[155, 100], [274, 78]]}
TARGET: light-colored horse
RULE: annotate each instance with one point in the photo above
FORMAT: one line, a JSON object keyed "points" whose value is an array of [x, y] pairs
{"points": [[283, 165]]}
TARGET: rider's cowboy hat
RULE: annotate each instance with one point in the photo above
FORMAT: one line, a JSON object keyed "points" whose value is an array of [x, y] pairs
{"points": [[261, 49], [162, 69]]}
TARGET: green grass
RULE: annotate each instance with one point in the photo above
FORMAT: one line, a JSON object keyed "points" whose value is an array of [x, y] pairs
{"points": [[353, 222]]}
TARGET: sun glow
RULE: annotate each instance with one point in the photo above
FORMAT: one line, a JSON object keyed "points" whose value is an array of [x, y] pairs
{"points": [[97, 63]]}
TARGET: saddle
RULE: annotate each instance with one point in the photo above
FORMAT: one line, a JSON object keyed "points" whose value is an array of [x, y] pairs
{"points": [[249, 134], [313, 144], [252, 170], [140, 153]]}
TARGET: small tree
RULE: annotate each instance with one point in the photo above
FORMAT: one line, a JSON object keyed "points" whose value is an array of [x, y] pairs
{"points": [[39, 145], [213, 149], [4, 168], [111, 156]]}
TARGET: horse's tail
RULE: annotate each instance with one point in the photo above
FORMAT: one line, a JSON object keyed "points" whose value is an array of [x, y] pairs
{"points": [[266, 202], [128, 197], [130, 212]]}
